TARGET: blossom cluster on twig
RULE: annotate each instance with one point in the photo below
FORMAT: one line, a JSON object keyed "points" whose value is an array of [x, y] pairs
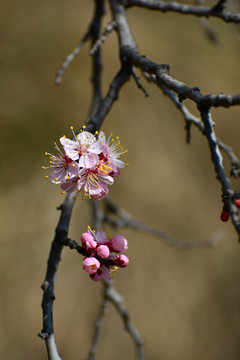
{"points": [[87, 164], [105, 254], [225, 214]]}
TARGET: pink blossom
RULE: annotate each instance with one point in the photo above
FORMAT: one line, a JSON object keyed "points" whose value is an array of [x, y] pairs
{"points": [[70, 186], [88, 241], [86, 236], [119, 243], [63, 167], [87, 165], [90, 244], [106, 274], [103, 251], [93, 184], [90, 183], [122, 261], [102, 272], [101, 238], [111, 153], [91, 265], [84, 148]]}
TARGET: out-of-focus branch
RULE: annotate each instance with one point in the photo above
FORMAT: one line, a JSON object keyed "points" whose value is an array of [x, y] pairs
{"points": [[92, 33], [97, 328], [109, 28], [217, 11], [117, 217], [208, 31], [69, 58], [112, 295]]}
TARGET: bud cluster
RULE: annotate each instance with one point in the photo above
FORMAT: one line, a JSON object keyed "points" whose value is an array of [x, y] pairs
{"points": [[225, 211], [105, 254], [87, 164]]}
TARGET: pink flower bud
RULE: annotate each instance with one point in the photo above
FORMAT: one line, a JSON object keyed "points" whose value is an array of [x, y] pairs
{"points": [[237, 202], [91, 265], [86, 237], [90, 244], [103, 251], [122, 261], [119, 243], [224, 214]]}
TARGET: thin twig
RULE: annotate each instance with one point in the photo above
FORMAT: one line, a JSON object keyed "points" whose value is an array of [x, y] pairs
{"points": [[218, 164], [97, 328], [138, 82], [109, 28], [112, 295], [192, 119], [70, 58], [123, 219], [95, 122], [173, 6]]}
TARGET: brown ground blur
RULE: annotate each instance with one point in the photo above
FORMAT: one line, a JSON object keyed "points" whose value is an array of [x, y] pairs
{"points": [[185, 303]]}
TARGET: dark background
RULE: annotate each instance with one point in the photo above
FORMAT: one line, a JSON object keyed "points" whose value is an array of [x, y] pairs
{"points": [[185, 303]]}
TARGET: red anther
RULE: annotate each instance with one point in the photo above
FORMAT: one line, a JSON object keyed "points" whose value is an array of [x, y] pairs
{"points": [[237, 202], [224, 215]]}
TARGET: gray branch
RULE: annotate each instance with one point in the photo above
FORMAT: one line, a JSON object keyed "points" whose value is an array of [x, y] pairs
{"points": [[112, 295], [217, 11], [61, 232], [97, 328], [191, 119], [117, 218], [219, 169]]}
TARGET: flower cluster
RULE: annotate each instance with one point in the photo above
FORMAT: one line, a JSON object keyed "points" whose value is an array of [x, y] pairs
{"points": [[104, 254], [225, 211], [87, 164]]}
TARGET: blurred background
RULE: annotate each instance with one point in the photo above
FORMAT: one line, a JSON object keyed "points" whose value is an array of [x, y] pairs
{"points": [[185, 303]]}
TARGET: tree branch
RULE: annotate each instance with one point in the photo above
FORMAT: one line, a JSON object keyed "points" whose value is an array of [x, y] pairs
{"points": [[219, 169], [95, 122], [191, 119], [216, 11], [61, 232], [112, 295], [123, 219]]}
